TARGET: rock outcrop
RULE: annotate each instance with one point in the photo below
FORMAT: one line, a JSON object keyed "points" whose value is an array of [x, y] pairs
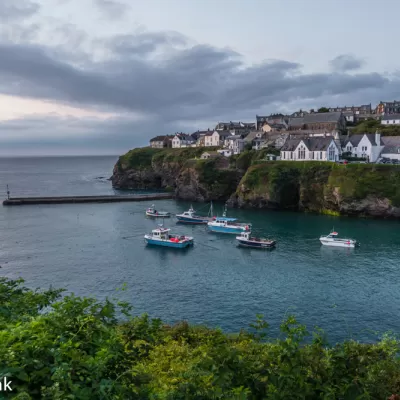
{"points": [[356, 189]]}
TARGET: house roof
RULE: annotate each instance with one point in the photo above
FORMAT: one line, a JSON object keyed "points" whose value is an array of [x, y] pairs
{"points": [[390, 140], [355, 139], [253, 135], [391, 149], [322, 117], [234, 137], [211, 153], [390, 117], [224, 133], [312, 144], [160, 138], [296, 121]]}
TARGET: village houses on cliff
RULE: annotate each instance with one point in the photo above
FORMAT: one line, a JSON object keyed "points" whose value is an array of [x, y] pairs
{"points": [[302, 135]]}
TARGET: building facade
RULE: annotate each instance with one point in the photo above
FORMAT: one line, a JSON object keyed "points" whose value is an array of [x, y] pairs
{"points": [[310, 149], [391, 119]]}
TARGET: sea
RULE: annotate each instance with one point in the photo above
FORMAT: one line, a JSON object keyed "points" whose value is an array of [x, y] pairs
{"points": [[98, 250]]}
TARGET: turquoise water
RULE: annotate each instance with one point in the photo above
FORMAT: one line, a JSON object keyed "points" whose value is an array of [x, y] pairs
{"points": [[92, 249]]}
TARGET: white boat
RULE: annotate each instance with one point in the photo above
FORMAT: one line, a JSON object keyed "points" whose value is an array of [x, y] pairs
{"points": [[152, 212], [246, 240], [333, 240], [228, 225], [162, 237], [190, 217]]}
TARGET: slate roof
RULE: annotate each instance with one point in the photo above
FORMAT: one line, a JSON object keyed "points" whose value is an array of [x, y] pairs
{"points": [[234, 137], [390, 140], [391, 149], [296, 121], [354, 140], [322, 117], [224, 134], [159, 138], [253, 135], [390, 117], [312, 144]]}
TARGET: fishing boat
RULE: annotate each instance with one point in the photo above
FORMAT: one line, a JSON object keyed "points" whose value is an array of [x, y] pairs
{"points": [[152, 212], [333, 240], [190, 217], [246, 240], [228, 225], [162, 237]]}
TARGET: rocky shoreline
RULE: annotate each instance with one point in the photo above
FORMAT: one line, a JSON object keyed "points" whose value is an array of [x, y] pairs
{"points": [[364, 190]]}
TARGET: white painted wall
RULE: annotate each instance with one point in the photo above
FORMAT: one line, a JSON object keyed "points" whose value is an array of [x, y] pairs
{"points": [[390, 121]]}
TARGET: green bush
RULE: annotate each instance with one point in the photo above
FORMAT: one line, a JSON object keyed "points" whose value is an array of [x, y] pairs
{"points": [[78, 349]]}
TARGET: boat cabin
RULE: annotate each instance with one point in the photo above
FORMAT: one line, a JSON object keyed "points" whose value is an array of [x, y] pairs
{"points": [[161, 233]]}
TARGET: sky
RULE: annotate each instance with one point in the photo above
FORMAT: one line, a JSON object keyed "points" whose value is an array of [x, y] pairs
{"points": [[104, 76]]}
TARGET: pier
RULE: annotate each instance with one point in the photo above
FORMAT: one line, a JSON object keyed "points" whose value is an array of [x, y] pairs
{"points": [[23, 201]]}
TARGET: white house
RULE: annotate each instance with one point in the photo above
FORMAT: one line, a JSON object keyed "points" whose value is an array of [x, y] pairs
{"points": [[367, 145], [314, 148], [209, 154], [392, 147], [235, 143], [211, 139], [182, 140], [391, 119]]}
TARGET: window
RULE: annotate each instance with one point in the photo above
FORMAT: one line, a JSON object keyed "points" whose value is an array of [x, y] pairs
{"points": [[291, 155], [320, 155], [355, 148], [302, 153], [332, 153]]}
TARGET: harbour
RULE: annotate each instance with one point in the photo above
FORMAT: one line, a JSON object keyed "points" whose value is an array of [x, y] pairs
{"points": [[96, 248]]}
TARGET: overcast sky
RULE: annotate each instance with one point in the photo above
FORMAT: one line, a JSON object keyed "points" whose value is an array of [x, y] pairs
{"points": [[104, 76]]}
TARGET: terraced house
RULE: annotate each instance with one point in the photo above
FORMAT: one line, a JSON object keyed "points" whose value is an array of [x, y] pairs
{"points": [[311, 149], [330, 121]]}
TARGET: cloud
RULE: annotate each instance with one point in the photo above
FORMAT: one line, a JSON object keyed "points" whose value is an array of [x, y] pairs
{"points": [[158, 83], [190, 83], [111, 8], [11, 10], [346, 62]]}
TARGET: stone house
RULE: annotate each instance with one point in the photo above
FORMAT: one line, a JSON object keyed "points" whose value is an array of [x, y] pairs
{"points": [[162, 141]]}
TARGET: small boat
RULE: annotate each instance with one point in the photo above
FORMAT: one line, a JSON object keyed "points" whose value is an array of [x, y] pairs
{"points": [[257, 243], [162, 237], [152, 212], [333, 240], [228, 225], [190, 217]]}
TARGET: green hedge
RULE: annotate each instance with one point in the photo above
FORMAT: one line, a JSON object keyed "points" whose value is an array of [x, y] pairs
{"points": [[78, 349]]}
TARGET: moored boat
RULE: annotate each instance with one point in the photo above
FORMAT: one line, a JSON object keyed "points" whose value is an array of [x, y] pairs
{"points": [[228, 225], [190, 217], [152, 212], [333, 240], [162, 237], [246, 240]]}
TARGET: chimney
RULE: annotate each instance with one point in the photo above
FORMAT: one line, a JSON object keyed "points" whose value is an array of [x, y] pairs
{"points": [[377, 138]]}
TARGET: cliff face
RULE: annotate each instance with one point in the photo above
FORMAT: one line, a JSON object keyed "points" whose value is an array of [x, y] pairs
{"points": [[179, 170], [355, 189]]}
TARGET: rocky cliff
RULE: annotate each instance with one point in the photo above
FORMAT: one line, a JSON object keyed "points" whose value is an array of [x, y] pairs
{"points": [[355, 189], [178, 170], [245, 181]]}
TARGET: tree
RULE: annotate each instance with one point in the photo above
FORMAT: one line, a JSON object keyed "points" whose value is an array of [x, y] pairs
{"points": [[323, 110]]}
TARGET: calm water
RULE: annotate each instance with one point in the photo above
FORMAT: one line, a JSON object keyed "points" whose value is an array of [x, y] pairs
{"points": [[92, 249]]}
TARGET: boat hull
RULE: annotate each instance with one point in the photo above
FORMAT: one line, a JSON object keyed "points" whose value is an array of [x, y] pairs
{"points": [[256, 245], [195, 221], [226, 229], [158, 215], [347, 244], [167, 243]]}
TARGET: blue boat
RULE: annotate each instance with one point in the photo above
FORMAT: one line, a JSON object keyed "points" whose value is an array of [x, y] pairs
{"points": [[190, 217], [162, 237], [228, 225]]}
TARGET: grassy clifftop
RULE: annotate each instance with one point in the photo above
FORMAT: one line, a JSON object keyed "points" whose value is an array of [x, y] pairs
{"points": [[144, 157], [320, 186]]}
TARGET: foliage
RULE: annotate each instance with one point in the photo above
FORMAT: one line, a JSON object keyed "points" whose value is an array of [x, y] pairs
{"points": [[372, 125], [323, 110], [78, 350], [138, 158]]}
